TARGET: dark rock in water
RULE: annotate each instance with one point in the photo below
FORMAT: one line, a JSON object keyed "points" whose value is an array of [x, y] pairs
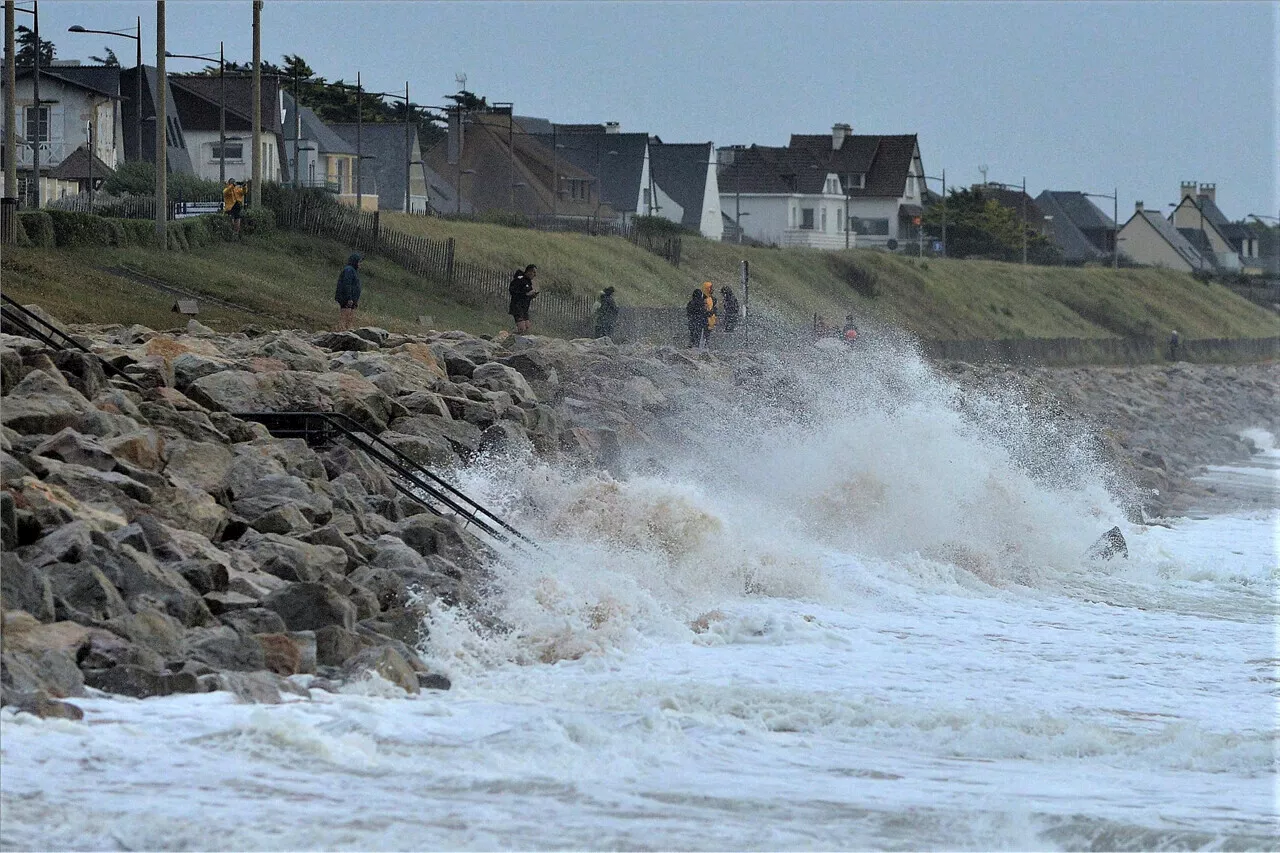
{"points": [[386, 662], [433, 681], [41, 705], [139, 683], [335, 645], [1109, 544], [311, 606]]}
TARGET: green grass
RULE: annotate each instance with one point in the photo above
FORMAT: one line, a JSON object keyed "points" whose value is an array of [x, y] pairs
{"points": [[287, 279], [935, 299], [283, 279]]}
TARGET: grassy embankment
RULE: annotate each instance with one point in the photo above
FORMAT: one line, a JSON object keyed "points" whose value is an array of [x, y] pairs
{"points": [[286, 279], [934, 299]]}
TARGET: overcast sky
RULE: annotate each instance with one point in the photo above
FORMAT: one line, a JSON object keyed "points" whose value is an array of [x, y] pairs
{"points": [[1071, 95]]}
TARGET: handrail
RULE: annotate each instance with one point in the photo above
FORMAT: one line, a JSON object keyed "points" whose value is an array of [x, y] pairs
{"points": [[284, 424], [19, 315]]}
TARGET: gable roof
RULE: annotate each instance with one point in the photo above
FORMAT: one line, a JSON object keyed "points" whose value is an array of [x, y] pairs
{"points": [[239, 94], [1165, 229], [384, 144], [1214, 218], [178, 158], [75, 166], [681, 170], [1079, 208], [802, 167], [1063, 231], [99, 79], [617, 159], [327, 140]]}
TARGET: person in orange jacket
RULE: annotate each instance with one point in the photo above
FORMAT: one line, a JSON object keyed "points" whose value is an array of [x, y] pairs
{"points": [[709, 300]]}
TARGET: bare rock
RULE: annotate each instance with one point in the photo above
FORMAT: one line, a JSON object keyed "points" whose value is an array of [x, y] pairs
{"points": [[255, 620], [386, 662], [141, 683], [336, 644], [41, 705], [222, 648], [311, 606]]}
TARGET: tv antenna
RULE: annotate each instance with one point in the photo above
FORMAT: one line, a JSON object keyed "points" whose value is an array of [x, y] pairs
{"points": [[461, 79], [983, 170]]}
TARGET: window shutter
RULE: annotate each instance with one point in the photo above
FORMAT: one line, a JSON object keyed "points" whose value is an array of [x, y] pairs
{"points": [[55, 123]]}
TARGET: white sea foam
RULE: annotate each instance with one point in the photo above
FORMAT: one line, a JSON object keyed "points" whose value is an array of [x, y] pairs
{"points": [[866, 623]]}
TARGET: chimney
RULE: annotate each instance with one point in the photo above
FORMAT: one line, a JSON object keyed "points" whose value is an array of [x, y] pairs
{"points": [[838, 134], [614, 127], [1209, 191], [1188, 190], [1137, 207]]}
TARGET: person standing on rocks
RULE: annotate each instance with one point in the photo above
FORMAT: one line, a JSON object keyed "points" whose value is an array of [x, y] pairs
{"points": [[696, 313], [709, 299], [606, 314], [731, 308], [523, 292], [348, 292], [1173, 346]]}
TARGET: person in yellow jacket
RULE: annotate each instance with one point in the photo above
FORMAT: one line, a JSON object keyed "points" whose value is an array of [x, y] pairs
{"points": [[233, 204], [709, 299]]}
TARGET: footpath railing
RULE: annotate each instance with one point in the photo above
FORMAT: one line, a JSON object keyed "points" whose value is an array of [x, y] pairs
{"points": [[433, 259]]}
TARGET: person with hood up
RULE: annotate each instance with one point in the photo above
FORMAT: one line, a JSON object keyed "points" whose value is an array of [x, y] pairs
{"points": [[709, 300], [696, 312], [606, 314], [850, 330], [522, 295], [348, 292], [731, 309]]}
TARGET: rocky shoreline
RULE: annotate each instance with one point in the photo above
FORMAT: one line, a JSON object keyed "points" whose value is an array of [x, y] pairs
{"points": [[153, 543]]}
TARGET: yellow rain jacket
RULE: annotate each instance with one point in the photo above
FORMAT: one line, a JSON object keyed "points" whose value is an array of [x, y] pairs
{"points": [[710, 301]]}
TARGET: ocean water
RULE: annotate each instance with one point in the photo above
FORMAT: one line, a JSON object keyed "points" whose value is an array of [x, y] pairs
{"points": [[864, 622]]}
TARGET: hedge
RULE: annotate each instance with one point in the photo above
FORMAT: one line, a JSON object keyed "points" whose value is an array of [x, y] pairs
{"points": [[48, 229]]}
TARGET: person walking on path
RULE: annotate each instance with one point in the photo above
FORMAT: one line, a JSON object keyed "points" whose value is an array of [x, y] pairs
{"points": [[348, 292], [709, 300], [606, 314], [523, 292], [233, 204], [730, 309], [696, 313]]}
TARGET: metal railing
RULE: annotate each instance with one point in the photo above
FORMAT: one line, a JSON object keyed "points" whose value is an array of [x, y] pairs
{"points": [[50, 334]]}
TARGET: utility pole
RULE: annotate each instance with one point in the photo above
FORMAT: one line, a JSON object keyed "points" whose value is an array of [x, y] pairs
{"points": [[359, 149], [92, 151], [1115, 228], [555, 177], [35, 83], [1024, 221], [162, 143], [408, 155], [10, 105], [222, 115], [255, 192]]}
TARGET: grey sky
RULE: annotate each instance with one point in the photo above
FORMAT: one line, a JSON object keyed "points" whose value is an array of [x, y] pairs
{"points": [[1073, 95]]}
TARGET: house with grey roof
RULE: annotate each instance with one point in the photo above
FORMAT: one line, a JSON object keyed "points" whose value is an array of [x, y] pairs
{"points": [[1150, 239], [324, 159], [387, 160], [200, 100], [1199, 219], [686, 172], [72, 97], [177, 156], [618, 162], [1073, 223], [825, 191]]}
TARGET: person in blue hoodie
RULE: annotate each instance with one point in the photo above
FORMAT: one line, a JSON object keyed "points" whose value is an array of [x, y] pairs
{"points": [[348, 292]]}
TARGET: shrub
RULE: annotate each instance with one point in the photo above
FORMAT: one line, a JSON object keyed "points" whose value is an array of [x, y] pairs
{"points": [[139, 178], [71, 229], [38, 228], [257, 220], [505, 218], [656, 226], [1203, 276]]}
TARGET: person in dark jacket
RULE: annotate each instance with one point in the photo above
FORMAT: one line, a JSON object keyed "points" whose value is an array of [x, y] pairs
{"points": [[606, 314], [523, 292], [348, 292], [730, 308], [696, 312]]}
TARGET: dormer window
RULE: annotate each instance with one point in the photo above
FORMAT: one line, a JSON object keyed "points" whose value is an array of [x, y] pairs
{"points": [[856, 181]]}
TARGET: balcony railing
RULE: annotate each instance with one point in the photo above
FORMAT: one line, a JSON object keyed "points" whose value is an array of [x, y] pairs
{"points": [[51, 153]]}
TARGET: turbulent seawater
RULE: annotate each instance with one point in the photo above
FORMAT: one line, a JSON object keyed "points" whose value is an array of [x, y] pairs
{"points": [[861, 623]]}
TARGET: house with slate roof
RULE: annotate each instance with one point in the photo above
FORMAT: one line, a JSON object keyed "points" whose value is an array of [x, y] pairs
{"points": [[177, 157], [1148, 238], [825, 191], [1076, 226], [72, 96], [686, 172], [619, 164], [1199, 219], [325, 159], [383, 147], [199, 98]]}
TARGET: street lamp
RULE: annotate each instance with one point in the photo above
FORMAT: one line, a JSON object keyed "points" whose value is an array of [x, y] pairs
{"points": [[34, 11], [1115, 223], [408, 155], [137, 102], [222, 104]]}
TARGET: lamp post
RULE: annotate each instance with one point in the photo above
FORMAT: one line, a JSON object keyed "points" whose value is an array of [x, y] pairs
{"points": [[222, 104], [10, 104], [137, 97], [408, 154], [943, 178], [1275, 240], [1115, 223], [34, 11], [162, 141]]}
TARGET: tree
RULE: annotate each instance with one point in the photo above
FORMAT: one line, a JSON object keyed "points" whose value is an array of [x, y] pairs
{"points": [[981, 227], [469, 100], [109, 60], [27, 47]]}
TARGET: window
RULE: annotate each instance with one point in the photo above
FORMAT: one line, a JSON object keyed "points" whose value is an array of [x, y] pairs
{"points": [[32, 124], [839, 219], [806, 218], [646, 198], [873, 227], [235, 151], [856, 181], [824, 220]]}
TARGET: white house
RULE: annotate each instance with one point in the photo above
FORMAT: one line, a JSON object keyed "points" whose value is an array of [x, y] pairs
{"points": [[686, 185], [1148, 238], [201, 99], [825, 191], [72, 98]]}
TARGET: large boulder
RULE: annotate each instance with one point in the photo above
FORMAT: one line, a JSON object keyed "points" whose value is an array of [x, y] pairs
{"points": [[43, 405], [311, 606], [37, 656], [292, 559], [141, 683], [25, 587], [222, 648], [385, 662]]}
